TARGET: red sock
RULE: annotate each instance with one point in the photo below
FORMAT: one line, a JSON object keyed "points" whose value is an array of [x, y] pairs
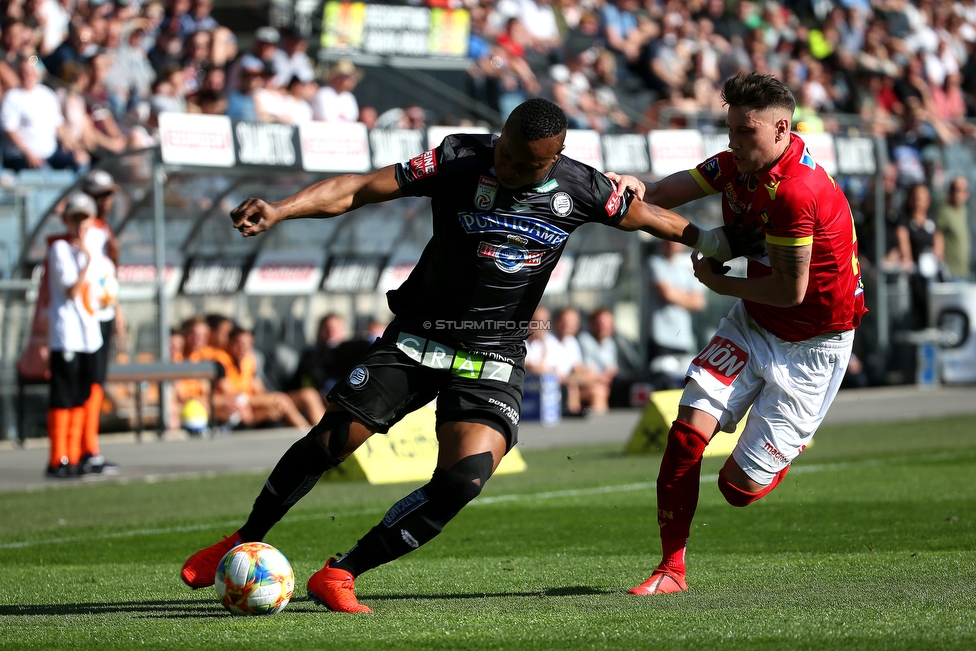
{"points": [[678, 486], [93, 411]]}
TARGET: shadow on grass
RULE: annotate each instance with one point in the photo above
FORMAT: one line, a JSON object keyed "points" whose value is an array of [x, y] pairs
{"points": [[570, 591], [177, 609], [147, 609]]}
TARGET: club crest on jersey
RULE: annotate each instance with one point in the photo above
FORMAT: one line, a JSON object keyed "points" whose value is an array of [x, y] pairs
{"points": [[561, 204], [358, 377], [424, 165], [484, 197], [723, 359], [711, 168], [511, 224], [511, 256], [767, 222]]}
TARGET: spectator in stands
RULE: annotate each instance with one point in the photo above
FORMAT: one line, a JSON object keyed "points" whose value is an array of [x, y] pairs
{"points": [[517, 80], [220, 328], [166, 53], [297, 101], [131, 76], [328, 360], [621, 34], [953, 221], [223, 48], [335, 102], [198, 19], [594, 393], [269, 101], [675, 295], [606, 355], [79, 47], [241, 104], [73, 337], [241, 397], [543, 42], [196, 60], [55, 21], [36, 133], [15, 44], [922, 250], [291, 59], [168, 92], [263, 49]]}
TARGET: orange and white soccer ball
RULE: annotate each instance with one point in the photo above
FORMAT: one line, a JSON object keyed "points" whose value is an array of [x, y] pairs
{"points": [[254, 578]]}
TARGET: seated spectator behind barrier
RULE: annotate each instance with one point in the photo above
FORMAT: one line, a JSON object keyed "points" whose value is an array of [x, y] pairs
{"points": [[564, 349], [335, 102], [611, 357], [36, 133], [331, 357], [241, 397]]}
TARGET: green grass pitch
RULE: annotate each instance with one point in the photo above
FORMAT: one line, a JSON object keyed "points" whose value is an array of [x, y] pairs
{"points": [[870, 543]]}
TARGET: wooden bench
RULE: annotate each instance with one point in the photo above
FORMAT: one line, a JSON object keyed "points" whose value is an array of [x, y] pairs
{"points": [[138, 373]]}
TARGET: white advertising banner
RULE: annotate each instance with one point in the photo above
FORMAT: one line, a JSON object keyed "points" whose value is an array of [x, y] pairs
{"points": [[821, 147], [285, 273], [675, 150], [334, 147], [204, 140], [584, 146], [436, 134]]}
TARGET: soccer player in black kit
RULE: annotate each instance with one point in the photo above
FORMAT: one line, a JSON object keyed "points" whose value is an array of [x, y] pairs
{"points": [[502, 211]]}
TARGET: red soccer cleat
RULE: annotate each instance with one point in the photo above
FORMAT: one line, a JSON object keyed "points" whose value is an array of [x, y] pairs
{"points": [[336, 590], [661, 582], [200, 569]]}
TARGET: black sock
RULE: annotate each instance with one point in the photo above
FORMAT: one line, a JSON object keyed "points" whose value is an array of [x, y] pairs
{"points": [[420, 516], [296, 473]]}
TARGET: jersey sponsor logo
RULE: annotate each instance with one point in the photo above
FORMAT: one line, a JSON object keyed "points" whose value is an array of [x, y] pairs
{"points": [[807, 159], [561, 204], [776, 454], [441, 357], [510, 412], [723, 359], [484, 198], [533, 229], [771, 188], [424, 165], [547, 187], [613, 204], [358, 377], [511, 256], [712, 168]]}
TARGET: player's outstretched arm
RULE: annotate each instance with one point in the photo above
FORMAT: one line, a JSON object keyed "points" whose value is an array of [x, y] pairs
{"points": [[668, 225], [328, 198]]}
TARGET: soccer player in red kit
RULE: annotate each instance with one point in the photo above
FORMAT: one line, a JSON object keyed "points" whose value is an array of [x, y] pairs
{"points": [[784, 347]]}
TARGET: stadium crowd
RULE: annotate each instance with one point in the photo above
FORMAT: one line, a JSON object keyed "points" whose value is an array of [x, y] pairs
{"points": [[114, 65], [82, 79]]}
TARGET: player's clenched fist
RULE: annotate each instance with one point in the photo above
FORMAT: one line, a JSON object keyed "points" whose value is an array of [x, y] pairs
{"points": [[254, 216]]}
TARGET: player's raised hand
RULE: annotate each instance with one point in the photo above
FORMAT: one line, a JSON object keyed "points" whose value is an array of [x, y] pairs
{"points": [[707, 269], [254, 216]]}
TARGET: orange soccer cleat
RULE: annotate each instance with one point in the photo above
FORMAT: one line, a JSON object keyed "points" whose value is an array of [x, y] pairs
{"points": [[200, 569], [336, 590], [661, 582]]}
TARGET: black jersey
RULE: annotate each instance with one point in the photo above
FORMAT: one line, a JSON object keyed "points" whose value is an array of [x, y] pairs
{"points": [[483, 272]]}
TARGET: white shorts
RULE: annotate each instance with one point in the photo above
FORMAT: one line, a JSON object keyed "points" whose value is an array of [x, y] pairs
{"points": [[789, 386]]}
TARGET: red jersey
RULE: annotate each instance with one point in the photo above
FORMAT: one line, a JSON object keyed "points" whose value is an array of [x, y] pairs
{"points": [[797, 204]]}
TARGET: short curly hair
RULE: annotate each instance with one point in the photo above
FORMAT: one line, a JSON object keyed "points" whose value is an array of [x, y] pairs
{"points": [[756, 91], [539, 119]]}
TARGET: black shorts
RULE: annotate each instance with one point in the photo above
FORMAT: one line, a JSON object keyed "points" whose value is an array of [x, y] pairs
{"points": [[102, 354], [71, 379], [403, 373]]}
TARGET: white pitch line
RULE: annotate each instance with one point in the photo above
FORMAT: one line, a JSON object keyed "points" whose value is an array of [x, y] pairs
{"points": [[481, 501]]}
